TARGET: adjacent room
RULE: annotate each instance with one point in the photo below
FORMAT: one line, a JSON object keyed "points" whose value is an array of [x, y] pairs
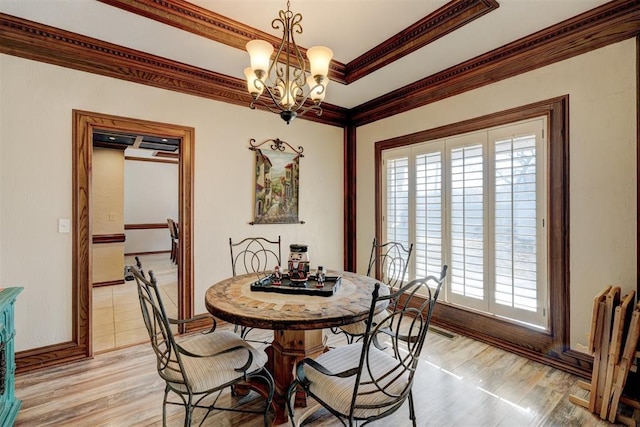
{"points": [[270, 212]]}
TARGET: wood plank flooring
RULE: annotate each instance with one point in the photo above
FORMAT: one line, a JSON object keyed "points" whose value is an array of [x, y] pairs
{"points": [[461, 383]]}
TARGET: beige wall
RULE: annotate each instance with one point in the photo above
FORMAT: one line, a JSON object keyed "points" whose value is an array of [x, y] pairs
{"points": [[35, 171], [36, 109], [150, 196], [108, 262], [107, 186], [602, 106]]}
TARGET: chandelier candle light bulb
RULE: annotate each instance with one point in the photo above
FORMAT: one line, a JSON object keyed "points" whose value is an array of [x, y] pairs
{"points": [[280, 79], [254, 85]]}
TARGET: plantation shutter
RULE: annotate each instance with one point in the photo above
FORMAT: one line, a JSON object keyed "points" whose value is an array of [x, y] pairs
{"points": [[476, 202], [467, 221], [397, 202], [518, 211], [428, 214]]}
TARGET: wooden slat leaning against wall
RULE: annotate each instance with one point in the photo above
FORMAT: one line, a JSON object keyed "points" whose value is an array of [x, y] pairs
{"points": [[613, 341]]}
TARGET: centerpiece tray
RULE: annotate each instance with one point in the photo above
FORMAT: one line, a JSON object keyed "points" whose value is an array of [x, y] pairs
{"points": [[331, 286]]}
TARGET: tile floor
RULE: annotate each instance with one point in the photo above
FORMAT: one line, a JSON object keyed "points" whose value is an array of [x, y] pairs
{"points": [[117, 321]]}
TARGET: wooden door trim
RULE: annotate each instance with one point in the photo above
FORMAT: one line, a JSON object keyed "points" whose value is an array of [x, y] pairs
{"points": [[84, 123]]}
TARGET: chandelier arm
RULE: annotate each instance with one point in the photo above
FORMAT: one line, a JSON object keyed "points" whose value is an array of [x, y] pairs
{"points": [[313, 107], [300, 105], [275, 96], [299, 110], [301, 69], [259, 101]]}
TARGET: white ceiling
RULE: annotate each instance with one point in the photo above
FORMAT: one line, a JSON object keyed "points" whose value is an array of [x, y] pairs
{"points": [[348, 27]]}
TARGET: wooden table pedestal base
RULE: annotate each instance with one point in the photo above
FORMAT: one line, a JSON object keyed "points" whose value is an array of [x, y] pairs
{"points": [[287, 348]]}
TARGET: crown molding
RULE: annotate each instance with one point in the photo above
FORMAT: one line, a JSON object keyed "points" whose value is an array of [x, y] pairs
{"points": [[443, 21], [610, 23], [203, 22], [31, 40]]}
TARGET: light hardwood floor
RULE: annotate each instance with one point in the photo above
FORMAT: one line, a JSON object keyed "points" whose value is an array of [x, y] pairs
{"points": [[461, 383], [117, 321]]}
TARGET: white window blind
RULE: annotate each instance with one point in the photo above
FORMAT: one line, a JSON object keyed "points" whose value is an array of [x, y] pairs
{"points": [[476, 202], [428, 215], [467, 221], [515, 222], [397, 200]]}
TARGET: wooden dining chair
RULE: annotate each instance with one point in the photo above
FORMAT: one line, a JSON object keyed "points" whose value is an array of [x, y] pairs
{"points": [[388, 262], [253, 255], [174, 235], [201, 365], [361, 382]]}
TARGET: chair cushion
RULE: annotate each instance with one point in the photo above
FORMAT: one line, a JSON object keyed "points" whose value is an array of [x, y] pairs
{"points": [[338, 392], [207, 373], [359, 328]]}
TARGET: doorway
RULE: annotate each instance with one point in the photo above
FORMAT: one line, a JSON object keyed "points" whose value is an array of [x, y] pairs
{"points": [[134, 185], [85, 124]]}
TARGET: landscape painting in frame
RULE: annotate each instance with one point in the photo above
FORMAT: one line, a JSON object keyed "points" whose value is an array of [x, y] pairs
{"points": [[276, 191]]}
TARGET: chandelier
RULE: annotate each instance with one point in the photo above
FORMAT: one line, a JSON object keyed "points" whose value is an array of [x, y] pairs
{"points": [[285, 77]]}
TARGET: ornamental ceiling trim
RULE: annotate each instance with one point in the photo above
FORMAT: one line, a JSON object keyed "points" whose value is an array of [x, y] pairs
{"points": [[203, 22], [31, 40], [610, 23]]}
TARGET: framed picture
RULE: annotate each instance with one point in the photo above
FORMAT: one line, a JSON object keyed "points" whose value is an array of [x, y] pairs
{"points": [[277, 183]]}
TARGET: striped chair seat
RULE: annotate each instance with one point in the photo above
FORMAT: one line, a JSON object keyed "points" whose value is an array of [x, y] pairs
{"points": [[337, 392], [199, 369], [359, 328], [196, 367], [361, 382]]}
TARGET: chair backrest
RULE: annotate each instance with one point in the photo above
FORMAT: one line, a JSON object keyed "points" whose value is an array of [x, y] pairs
{"points": [[388, 262], [254, 255], [406, 326], [173, 228], [139, 267], [169, 363]]}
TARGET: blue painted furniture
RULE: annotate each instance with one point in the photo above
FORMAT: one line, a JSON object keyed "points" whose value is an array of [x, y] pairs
{"points": [[9, 405]]}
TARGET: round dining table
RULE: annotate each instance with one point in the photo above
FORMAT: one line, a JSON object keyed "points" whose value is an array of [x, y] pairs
{"points": [[297, 320]]}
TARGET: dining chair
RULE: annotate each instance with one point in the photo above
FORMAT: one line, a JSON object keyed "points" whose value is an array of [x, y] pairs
{"points": [[388, 262], [174, 235], [360, 382], [253, 255], [139, 266], [201, 365]]}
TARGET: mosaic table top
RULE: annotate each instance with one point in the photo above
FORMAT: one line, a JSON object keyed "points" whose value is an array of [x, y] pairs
{"points": [[232, 300]]}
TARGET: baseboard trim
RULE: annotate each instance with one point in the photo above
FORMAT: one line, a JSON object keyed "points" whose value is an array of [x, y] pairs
{"points": [[147, 253]]}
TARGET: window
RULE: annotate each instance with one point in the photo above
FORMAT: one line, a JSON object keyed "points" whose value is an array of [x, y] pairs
{"points": [[476, 202]]}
